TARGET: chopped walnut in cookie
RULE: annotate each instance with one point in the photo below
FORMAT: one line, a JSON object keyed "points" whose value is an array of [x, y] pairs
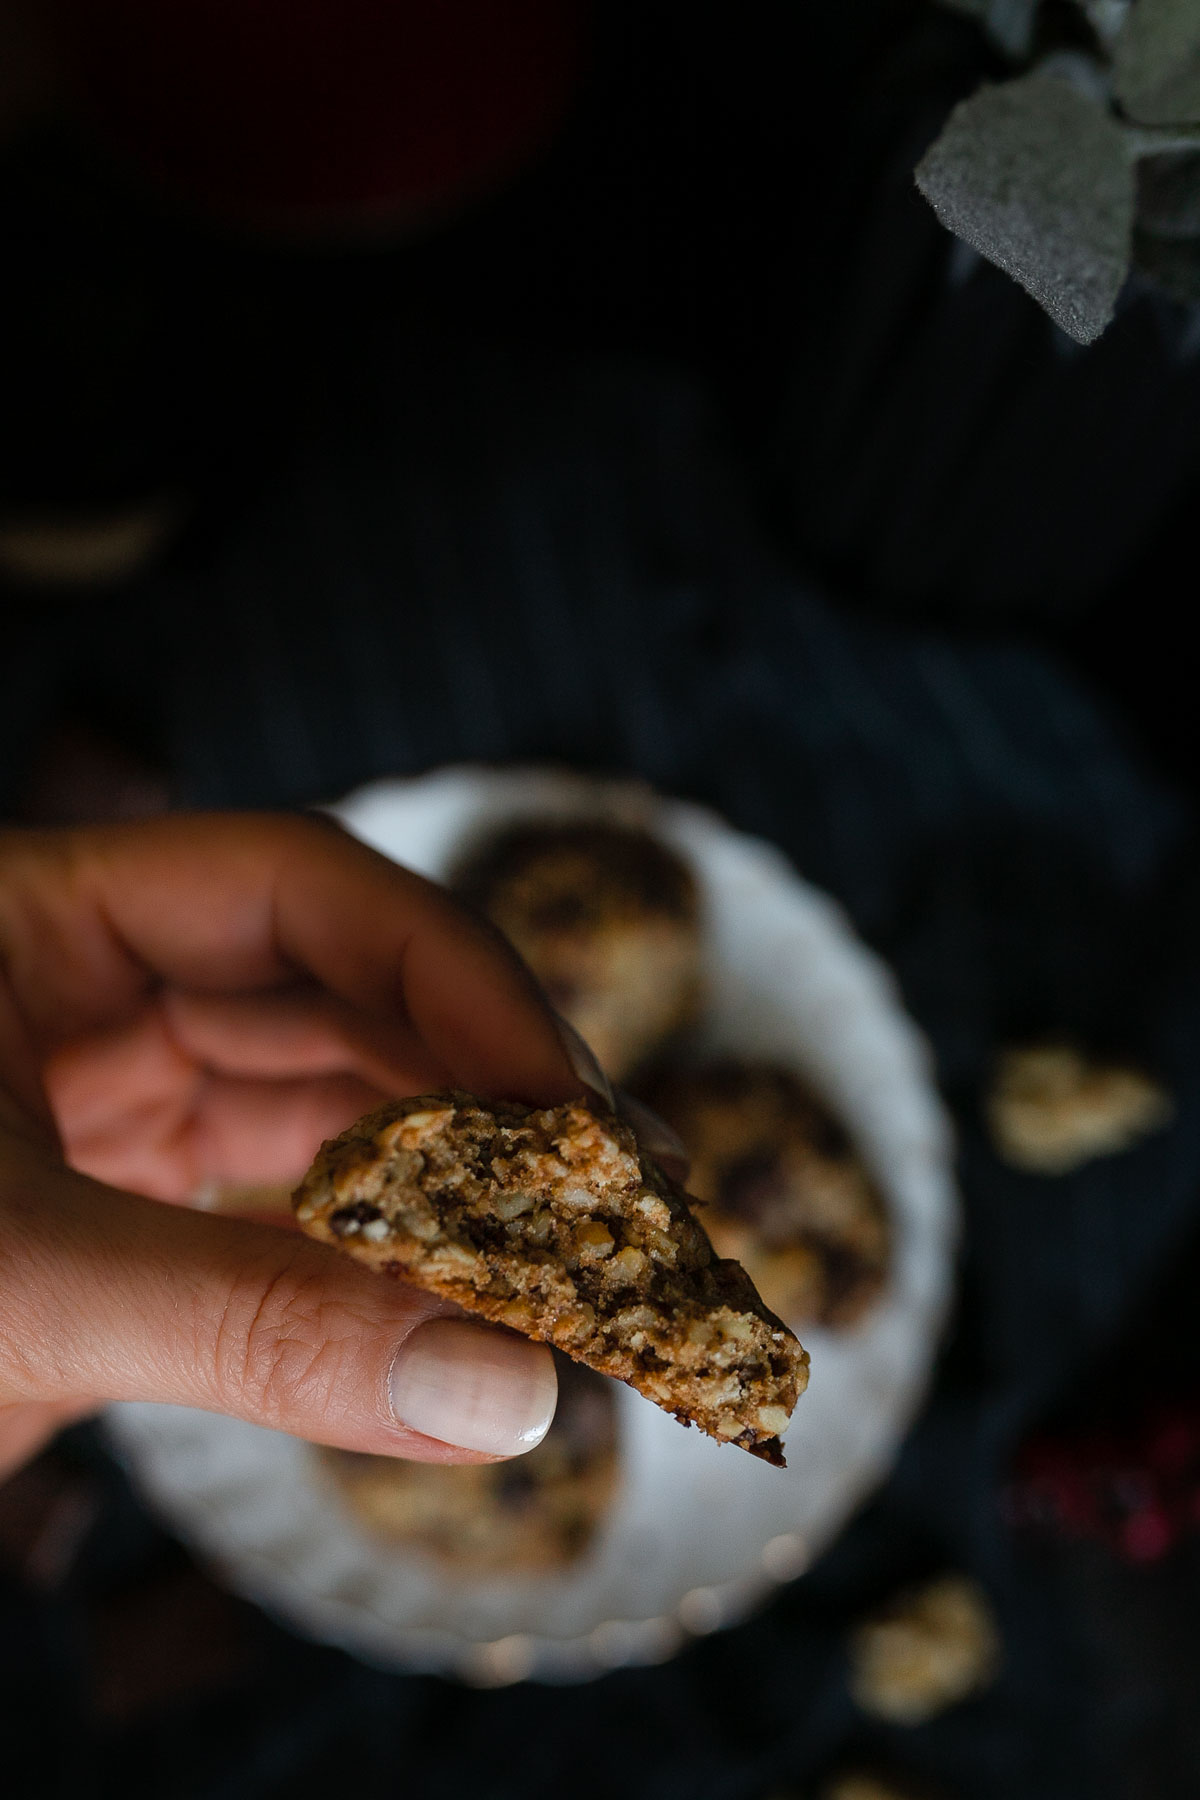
{"points": [[1051, 1108], [553, 1222]]}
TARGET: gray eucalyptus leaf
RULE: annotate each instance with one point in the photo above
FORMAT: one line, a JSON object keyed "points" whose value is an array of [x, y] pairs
{"points": [[1156, 64], [1009, 24], [1037, 177], [1106, 18]]}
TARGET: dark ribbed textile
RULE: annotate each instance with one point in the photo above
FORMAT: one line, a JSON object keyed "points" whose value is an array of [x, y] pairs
{"points": [[447, 505], [469, 555]]}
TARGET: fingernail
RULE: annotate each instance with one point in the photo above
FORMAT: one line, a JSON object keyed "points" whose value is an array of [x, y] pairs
{"points": [[656, 1137], [582, 1059], [480, 1389]]}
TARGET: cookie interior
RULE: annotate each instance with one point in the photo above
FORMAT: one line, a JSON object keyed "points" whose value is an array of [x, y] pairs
{"points": [[552, 1222]]}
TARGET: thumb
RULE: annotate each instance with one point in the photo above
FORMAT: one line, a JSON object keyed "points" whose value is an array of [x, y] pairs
{"points": [[107, 1296]]}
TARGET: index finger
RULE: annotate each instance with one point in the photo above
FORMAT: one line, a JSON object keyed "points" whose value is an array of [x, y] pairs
{"points": [[91, 921]]}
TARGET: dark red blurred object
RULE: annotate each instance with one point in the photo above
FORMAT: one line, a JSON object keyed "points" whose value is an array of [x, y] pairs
{"points": [[319, 112], [1133, 1485]]}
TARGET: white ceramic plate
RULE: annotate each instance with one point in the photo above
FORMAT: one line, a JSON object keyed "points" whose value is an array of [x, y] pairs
{"points": [[700, 1532]]}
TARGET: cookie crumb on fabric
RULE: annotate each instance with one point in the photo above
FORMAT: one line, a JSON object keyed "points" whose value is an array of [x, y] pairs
{"points": [[553, 1222], [857, 1785], [1051, 1108], [930, 1648]]}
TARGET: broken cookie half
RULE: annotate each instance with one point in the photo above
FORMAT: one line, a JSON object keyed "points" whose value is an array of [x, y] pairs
{"points": [[553, 1222]]}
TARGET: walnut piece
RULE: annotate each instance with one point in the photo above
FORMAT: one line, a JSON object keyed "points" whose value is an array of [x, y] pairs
{"points": [[857, 1786], [1052, 1109], [931, 1648]]}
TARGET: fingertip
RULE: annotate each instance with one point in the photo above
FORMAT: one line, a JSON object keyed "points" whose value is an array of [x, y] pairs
{"points": [[469, 1385]]}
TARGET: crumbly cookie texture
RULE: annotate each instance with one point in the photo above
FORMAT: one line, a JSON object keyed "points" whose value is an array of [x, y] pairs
{"points": [[608, 919], [784, 1191], [1051, 1108], [538, 1512], [551, 1221], [931, 1648]]}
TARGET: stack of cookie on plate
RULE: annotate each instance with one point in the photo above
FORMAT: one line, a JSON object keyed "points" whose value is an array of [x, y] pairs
{"points": [[609, 918]]}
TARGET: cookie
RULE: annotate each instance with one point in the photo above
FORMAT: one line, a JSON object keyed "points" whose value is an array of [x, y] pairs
{"points": [[784, 1192], [536, 1512], [552, 1221], [608, 919]]}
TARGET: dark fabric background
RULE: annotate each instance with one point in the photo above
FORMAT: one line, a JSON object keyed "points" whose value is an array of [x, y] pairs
{"points": [[702, 454]]}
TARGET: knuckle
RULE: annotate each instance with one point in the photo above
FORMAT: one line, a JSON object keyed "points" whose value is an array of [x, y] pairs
{"points": [[284, 1345], [38, 1337], [302, 834]]}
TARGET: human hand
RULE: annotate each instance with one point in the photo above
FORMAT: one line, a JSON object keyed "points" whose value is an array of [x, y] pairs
{"points": [[203, 999]]}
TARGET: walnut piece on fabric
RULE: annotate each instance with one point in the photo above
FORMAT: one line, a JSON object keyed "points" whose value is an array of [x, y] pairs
{"points": [[1051, 1108], [860, 1784], [856, 1785], [553, 1222], [932, 1647]]}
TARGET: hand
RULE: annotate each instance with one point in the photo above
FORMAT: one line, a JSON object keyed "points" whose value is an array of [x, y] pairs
{"points": [[203, 999]]}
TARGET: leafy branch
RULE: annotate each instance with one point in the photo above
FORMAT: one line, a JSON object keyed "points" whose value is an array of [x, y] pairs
{"points": [[1085, 167]]}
